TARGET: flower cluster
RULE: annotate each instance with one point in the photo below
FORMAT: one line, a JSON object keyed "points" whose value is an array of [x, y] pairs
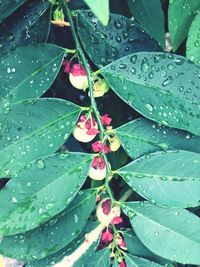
{"points": [[79, 80]]}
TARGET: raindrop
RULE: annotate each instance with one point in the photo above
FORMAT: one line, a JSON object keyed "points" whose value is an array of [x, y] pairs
{"points": [[40, 164], [133, 59], [149, 107], [167, 81], [145, 67], [131, 214]]}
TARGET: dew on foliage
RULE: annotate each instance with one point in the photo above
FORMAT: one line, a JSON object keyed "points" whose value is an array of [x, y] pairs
{"points": [[131, 214], [40, 164]]}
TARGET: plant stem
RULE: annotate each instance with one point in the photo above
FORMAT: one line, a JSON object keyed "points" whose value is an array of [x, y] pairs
{"points": [[79, 49], [126, 195]]}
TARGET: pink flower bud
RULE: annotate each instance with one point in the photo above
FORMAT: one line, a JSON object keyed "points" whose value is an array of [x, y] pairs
{"points": [[105, 120], [107, 236], [66, 66], [122, 264]]}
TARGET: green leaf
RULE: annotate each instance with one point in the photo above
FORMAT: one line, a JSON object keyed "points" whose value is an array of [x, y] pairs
{"points": [[28, 72], [193, 41], [180, 16], [32, 29], [150, 15], [33, 129], [133, 261], [136, 247], [49, 238], [170, 233], [142, 136], [98, 259], [100, 8], [26, 203], [57, 257], [7, 7], [121, 37], [168, 179], [163, 87]]}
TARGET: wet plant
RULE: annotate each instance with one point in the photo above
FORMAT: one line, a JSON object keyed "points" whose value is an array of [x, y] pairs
{"points": [[100, 133]]}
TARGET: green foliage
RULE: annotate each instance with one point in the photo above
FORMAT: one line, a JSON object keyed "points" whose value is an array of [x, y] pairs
{"points": [[154, 224], [49, 201], [157, 85], [137, 262], [142, 136], [48, 238], [28, 72], [193, 41], [157, 177], [181, 13], [25, 138], [8, 7], [27, 203], [150, 15], [32, 29], [121, 37], [100, 8]]}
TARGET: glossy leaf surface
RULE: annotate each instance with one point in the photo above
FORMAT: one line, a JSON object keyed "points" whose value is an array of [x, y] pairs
{"points": [[168, 179], [136, 247], [100, 8], [26, 203], [150, 16], [193, 41], [53, 235], [121, 37], [166, 232], [142, 136], [161, 86], [32, 129], [57, 257], [29, 25], [180, 15], [134, 261], [7, 7], [28, 72]]}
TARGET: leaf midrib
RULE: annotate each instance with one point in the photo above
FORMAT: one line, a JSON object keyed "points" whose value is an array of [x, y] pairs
{"points": [[39, 130], [163, 226], [43, 188]]}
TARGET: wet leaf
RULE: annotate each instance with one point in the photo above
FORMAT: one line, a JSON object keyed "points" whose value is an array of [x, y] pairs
{"points": [[193, 41], [42, 190], [7, 7], [150, 16], [97, 259], [28, 72], [29, 26], [167, 179], [33, 129], [100, 8], [180, 15], [53, 235], [142, 136], [134, 261], [170, 233], [135, 247], [57, 257], [163, 87], [121, 37]]}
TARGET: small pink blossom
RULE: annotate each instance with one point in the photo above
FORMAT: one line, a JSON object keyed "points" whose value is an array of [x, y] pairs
{"points": [[98, 163], [122, 264], [107, 236], [78, 70], [66, 66], [116, 220], [105, 120]]}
